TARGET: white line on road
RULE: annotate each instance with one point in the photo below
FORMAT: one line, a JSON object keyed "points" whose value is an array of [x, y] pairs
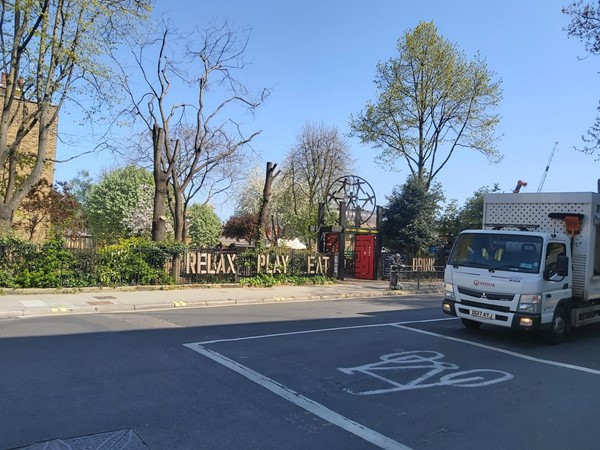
{"points": [[322, 330], [401, 325], [324, 412], [309, 405], [500, 350]]}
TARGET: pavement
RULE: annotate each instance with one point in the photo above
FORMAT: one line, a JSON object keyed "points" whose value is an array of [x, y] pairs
{"points": [[41, 302]]}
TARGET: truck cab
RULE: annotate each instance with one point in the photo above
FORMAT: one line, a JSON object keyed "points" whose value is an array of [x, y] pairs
{"points": [[517, 279]]}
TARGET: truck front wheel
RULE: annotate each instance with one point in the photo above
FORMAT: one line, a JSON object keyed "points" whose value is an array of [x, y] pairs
{"points": [[470, 324], [559, 328]]}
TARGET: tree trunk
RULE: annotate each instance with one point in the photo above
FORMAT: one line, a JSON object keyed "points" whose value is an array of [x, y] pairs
{"points": [[264, 207], [6, 216], [179, 218], [159, 218], [161, 187]]}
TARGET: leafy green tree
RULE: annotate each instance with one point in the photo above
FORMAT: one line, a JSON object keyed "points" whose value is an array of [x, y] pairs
{"points": [[80, 186], [50, 50], [585, 26], [468, 217], [409, 220], [431, 102], [449, 221], [204, 225], [471, 214], [122, 195]]}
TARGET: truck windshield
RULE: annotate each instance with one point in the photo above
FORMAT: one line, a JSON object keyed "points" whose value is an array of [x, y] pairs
{"points": [[514, 253]]}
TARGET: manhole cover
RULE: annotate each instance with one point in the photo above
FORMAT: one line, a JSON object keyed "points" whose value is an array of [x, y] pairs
{"points": [[111, 440]]}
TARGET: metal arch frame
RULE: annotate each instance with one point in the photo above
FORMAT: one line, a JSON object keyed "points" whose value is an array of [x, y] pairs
{"points": [[356, 192]]}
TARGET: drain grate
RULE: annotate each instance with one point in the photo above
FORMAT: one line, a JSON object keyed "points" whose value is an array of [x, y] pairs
{"points": [[104, 297], [100, 302], [112, 440]]}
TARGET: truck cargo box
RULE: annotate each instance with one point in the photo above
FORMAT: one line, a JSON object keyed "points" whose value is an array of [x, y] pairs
{"points": [[551, 212]]}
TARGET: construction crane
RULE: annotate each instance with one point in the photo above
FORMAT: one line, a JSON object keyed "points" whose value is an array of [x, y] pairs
{"points": [[547, 167]]}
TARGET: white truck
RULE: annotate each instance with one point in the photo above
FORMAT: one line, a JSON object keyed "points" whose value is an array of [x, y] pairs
{"points": [[535, 265]]}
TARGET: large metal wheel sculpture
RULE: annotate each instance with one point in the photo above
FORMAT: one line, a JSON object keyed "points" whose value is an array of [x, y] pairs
{"points": [[358, 195]]}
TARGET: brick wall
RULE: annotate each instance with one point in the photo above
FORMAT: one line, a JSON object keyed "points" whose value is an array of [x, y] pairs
{"points": [[29, 145]]}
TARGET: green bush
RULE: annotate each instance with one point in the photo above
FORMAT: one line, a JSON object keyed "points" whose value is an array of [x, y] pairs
{"points": [[134, 261], [269, 280], [29, 266], [14, 256], [51, 266]]}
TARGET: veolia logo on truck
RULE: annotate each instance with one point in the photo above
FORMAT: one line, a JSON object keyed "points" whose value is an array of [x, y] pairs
{"points": [[484, 283]]}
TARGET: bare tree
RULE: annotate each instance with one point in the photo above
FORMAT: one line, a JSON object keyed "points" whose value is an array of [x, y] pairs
{"points": [[318, 158], [585, 26], [194, 144], [270, 176], [49, 51]]}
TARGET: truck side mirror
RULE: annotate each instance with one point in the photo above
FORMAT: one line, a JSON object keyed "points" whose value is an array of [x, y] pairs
{"points": [[562, 265], [560, 269]]}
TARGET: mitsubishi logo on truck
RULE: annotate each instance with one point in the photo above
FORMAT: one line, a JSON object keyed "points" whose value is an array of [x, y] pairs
{"points": [[483, 283]]}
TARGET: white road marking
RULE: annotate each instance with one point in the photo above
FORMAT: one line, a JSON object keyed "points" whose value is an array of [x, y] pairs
{"points": [[303, 402], [320, 330], [324, 412], [500, 350], [429, 366]]}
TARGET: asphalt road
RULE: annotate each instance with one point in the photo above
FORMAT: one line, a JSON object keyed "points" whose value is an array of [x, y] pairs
{"points": [[347, 374]]}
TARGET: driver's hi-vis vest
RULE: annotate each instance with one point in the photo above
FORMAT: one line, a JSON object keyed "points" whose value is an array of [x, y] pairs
{"points": [[497, 254]]}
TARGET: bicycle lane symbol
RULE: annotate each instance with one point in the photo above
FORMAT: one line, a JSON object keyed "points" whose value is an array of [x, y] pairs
{"points": [[428, 364]]}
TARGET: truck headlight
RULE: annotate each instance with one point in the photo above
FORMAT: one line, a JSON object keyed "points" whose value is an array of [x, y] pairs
{"points": [[530, 303], [449, 291]]}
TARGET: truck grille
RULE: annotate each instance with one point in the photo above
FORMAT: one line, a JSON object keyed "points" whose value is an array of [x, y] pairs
{"points": [[504, 309], [489, 296]]}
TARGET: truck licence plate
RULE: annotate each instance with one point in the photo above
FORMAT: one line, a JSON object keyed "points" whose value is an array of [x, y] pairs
{"points": [[483, 314]]}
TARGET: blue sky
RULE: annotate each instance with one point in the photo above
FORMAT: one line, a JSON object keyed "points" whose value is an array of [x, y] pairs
{"points": [[320, 56]]}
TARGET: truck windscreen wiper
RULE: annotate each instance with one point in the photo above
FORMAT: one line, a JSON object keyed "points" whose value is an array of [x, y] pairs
{"points": [[472, 264], [507, 267]]}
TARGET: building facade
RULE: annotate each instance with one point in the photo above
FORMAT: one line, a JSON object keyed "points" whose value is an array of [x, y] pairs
{"points": [[23, 157]]}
